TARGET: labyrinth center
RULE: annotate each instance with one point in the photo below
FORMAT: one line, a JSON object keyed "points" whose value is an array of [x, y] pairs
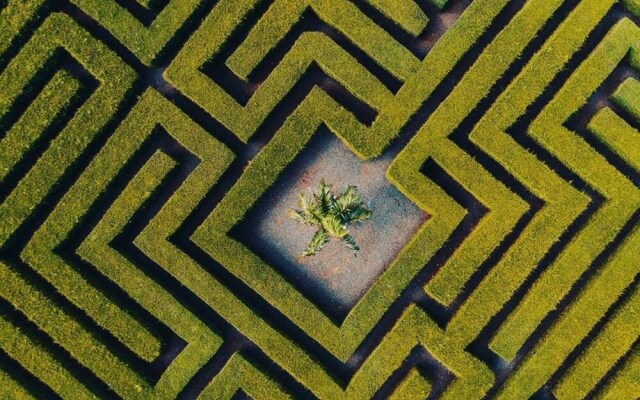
{"points": [[150, 151]]}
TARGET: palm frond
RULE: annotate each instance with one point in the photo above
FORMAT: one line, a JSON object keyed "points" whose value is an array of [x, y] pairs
{"points": [[348, 198], [303, 202], [351, 244], [331, 214], [301, 217], [359, 213], [318, 241], [334, 226], [308, 212], [324, 197]]}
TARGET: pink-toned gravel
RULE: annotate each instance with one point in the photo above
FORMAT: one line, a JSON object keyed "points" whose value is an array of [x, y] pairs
{"points": [[341, 275]]}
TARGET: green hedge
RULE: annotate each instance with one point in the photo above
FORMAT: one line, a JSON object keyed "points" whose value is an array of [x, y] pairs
{"points": [[617, 135], [34, 358], [628, 93], [413, 386], [243, 121], [341, 15], [114, 78], [258, 177], [54, 98], [621, 196], [213, 234], [405, 13], [505, 208], [576, 322], [13, 17], [137, 127], [612, 343], [562, 203], [240, 374], [624, 382], [633, 6], [144, 42], [202, 343], [63, 329]]}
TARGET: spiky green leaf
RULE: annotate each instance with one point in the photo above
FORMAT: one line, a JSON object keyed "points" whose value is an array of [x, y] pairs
{"points": [[358, 213], [319, 240], [334, 226], [351, 244], [324, 197]]}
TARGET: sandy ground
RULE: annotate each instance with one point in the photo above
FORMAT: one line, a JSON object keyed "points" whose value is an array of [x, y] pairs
{"points": [[333, 277]]}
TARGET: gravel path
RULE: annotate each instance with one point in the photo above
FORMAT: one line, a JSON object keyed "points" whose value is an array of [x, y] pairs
{"points": [[334, 277]]}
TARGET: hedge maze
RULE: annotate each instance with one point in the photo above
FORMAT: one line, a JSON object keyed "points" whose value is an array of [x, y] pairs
{"points": [[135, 136]]}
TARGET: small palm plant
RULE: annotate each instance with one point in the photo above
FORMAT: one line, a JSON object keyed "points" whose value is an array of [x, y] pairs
{"points": [[331, 215]]}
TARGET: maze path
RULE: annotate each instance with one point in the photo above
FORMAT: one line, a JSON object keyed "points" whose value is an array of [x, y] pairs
{"points": [[135, 137]]}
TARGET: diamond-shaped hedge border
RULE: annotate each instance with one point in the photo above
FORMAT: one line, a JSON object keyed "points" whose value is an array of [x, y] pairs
{"points": [[213, 235]]}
